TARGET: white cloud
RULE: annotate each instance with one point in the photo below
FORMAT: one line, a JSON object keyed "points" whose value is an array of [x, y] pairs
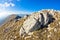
{"points": [[12, 4], [7, 13], [6, 4]]}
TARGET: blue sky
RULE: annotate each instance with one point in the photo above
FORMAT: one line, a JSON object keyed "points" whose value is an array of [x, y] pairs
{"points": [[8, 7], [35, 5]]}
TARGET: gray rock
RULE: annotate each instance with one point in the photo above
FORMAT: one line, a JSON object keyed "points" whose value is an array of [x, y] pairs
{"points": [[35, 21]]}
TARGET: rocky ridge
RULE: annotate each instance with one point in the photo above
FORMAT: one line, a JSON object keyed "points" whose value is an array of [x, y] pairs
{"points": [[38, 31]]}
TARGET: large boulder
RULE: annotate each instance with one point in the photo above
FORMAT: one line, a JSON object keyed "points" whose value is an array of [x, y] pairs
{"points": [[36, 21]]}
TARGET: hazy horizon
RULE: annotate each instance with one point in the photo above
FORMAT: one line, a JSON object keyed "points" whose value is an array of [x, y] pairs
{"points": [[8, 7]]}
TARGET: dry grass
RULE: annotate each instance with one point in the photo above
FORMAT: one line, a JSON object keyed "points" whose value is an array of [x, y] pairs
{"points": [[10, 31]]}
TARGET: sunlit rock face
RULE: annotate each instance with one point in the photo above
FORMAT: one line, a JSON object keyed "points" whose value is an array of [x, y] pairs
{"points": [[36, 21]]}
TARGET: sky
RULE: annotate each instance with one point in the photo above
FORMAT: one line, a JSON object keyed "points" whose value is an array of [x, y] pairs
{"points": [[8, 7]]}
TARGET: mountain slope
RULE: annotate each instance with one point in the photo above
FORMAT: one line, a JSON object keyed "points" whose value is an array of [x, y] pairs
{"points": [[2, 20], [11, 29]]}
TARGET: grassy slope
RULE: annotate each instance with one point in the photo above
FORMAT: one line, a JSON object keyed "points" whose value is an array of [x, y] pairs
{"points": [[10, 31]]}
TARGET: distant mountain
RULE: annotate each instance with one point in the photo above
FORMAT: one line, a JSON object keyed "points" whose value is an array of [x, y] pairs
{"points": [[41, 25], [11, 17]]}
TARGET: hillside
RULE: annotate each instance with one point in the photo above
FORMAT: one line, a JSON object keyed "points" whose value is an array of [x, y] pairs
{"points": [[10, 30]]}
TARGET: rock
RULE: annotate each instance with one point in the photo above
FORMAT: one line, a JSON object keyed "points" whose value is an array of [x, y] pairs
{"points": [[36, 21]]}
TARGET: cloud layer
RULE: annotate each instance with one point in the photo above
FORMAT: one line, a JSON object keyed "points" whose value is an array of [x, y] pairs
{"points": [[6, 4], [7, 13]]}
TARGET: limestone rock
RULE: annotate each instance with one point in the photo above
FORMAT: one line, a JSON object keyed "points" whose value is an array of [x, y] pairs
{"points": [[36, 21]]}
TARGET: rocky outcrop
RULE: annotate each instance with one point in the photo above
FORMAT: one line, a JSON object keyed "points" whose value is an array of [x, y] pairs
{"points": [[36, 21]]}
